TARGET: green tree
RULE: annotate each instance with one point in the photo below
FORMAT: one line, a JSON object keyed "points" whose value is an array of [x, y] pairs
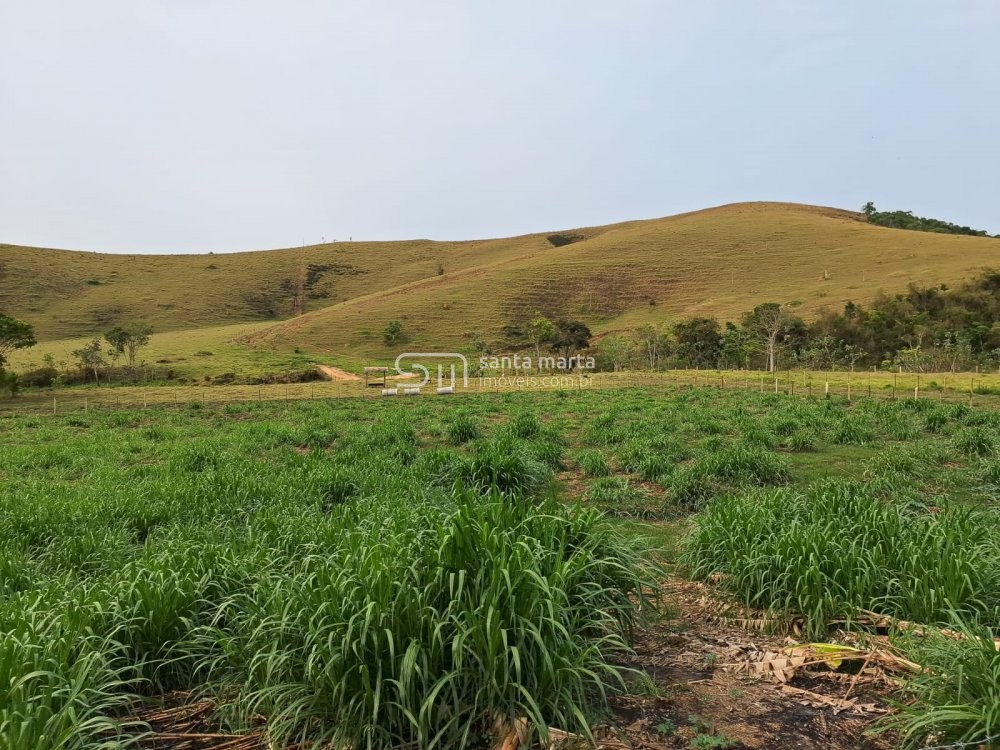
{"points": [[14, 334], [91, 358], [570, 337], [540, 331], [773, 325], [127, 340], [699, 341], [869, 210], [852, 354], [392, 332], [9, 382], [655, 343], [617, 349], [738, 344], [822, 353]]}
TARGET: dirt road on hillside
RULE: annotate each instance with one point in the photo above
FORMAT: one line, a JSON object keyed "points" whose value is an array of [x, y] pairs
{"points": [[335, 373]]}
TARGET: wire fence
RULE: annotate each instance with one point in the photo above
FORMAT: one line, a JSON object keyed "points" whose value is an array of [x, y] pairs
{"points": [[973, 389]]}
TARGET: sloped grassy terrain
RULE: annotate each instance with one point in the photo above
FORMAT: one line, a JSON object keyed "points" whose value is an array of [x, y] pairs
{"points": [[379, 573], [720, 261]]}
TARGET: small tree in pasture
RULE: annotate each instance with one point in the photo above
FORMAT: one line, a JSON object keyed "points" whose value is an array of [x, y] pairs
{"points": [[91, 358], [772, 323], [14, 334], [655, 343], [128, 340], [617, 349], [392, 333], [698, 341], [570, 337], [540, 331]]}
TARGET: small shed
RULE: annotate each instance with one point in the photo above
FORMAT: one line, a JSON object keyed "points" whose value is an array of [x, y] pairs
{"points": [[375, 377]]}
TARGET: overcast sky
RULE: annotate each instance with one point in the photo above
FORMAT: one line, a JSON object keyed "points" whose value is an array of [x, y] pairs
{"points": [[196, 125]]}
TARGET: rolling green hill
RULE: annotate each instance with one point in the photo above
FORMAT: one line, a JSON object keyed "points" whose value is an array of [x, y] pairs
{"points": [[335, 299], [720, 261], [66, 293]]}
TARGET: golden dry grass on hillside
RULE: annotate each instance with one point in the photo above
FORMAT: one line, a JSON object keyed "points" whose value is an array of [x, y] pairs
{"points": [[718, 261], [66, 293]]}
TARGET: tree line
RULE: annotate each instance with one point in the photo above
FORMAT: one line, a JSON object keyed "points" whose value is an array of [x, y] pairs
{"points": [[14, 334], [925, 329], [98, 359], [118, 350], [906, 220]]}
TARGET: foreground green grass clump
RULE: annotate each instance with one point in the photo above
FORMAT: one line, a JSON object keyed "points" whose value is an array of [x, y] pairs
{"points": [[314, 570], [836, 547], [378, 572], [956, 698]]}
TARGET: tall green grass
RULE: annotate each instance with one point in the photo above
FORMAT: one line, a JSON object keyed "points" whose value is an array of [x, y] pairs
{"points": [[379, 573], [492, 611], [340, 576], [836, 547], [735, 466], [593, 464], [956, 697]]}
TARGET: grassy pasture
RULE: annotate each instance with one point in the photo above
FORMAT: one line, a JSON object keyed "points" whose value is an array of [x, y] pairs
{"points": [[315, 565], [941, 387], [383, 570], [191, 355]]}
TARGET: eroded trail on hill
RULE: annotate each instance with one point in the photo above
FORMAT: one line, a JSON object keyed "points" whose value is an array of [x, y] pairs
{"points": [[335, 373]]}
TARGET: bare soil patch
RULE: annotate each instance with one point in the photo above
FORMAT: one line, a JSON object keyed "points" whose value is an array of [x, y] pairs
{"points": [[706, 680], [335, 373]]}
